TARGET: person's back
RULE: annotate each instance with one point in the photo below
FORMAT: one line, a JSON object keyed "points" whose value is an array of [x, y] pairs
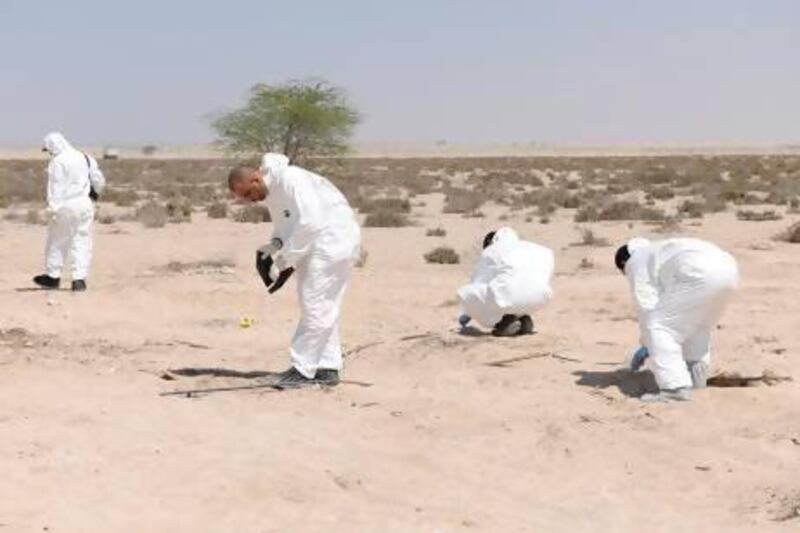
{"points": [[68, 173]]}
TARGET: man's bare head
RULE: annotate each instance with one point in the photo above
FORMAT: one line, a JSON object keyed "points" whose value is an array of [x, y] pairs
{"points": [[247, 183]]}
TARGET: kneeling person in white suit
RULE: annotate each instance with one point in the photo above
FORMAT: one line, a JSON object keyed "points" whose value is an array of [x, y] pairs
{"points": [[681, 287], [510, 281], [73, 181], [316, 235]]}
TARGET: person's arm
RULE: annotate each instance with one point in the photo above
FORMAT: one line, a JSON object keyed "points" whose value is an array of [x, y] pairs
{"points": [[644, 289], [96, 177], [55, 178], [304, 205]]}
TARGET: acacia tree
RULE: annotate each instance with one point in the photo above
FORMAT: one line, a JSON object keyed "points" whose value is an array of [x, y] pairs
{"points": [[298, 118]]}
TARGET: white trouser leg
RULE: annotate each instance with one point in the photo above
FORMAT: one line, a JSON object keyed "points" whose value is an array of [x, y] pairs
{"points": [[321, 285], [81, 249], [666, 359], [59, 237], [477, 301]]}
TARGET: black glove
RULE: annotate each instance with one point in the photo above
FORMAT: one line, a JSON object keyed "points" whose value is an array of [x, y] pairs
{"points": [[93, 194], [263, 266], [282, 278]]}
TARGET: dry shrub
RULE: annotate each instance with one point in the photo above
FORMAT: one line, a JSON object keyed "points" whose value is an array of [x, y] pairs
{"points": [[791, 234], [179, 210], [252, 214], [443, 255], [217, 210], [590, 238], [395, 205], [436, 232], [152, 215], [462, 201], [661, 193], [363, 255], [120, 197], [386, 219], [619, 210], [33, 216], [758, 216], [106, 219]]}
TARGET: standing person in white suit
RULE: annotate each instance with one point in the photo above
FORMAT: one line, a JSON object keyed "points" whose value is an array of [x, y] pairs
{"points": [[73, 181], [316, 235], [511, 280], [681, 287]]}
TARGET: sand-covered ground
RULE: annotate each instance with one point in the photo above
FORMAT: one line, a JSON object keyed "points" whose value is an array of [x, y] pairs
{"points": [[443, 440]]}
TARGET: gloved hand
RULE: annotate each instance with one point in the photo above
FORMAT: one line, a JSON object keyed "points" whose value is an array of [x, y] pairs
{"points": [[463, 320], [271, 248], [637, 359], [93, 194], [263, 266], [282, 279]]}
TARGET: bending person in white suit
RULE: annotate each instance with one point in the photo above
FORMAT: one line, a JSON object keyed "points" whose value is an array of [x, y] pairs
{"points": [[511, 280], [680, 287], [316, 235]]}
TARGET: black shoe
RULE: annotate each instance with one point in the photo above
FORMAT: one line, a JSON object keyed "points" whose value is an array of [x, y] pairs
{"points": [[327, 377], [526, 325], [78, 285], [509, 326], [292, 378], [47, 282]]}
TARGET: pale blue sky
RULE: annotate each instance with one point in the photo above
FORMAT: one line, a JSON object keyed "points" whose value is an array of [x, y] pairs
{"points": [[590, 71]]}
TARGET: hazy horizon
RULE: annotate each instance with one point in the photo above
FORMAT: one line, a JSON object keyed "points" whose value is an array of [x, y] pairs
{"points": [[583, 72]]}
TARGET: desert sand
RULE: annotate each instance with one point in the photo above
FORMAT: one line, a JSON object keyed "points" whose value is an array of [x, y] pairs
{"points": [[442, 441]]}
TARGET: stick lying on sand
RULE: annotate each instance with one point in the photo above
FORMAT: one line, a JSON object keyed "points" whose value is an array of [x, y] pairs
{"points": [[734, 379], [503, 363], [274, 386]]}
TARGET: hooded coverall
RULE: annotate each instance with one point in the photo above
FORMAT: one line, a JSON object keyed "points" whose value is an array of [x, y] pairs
{"points": [[70, 210], [512, 277], [681, 287], [321, 240]]}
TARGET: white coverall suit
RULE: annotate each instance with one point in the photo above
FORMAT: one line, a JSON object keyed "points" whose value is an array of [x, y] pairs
{"points": [[321, 240], [681, 287], [69, 208], [512, 277]]}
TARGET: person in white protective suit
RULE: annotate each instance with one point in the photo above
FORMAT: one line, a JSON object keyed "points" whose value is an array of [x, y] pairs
{"points": [[73, 182], [316, 235], [510, 281], [681, 287]]}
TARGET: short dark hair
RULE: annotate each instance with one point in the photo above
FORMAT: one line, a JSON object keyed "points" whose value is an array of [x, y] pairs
{"points": [[621, 257], [238, 174], [487, 240]]}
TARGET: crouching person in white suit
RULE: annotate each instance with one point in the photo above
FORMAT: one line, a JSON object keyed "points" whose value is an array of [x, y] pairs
{"points": [[316, 235], [510, 281], [73, 182], [680, 287]]}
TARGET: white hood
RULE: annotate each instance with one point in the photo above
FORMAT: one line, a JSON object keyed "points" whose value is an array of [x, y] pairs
{"points": [[55, 143], [271, 164]]}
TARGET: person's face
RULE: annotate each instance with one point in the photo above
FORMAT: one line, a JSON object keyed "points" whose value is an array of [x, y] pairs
{"points": [[251, 189]]}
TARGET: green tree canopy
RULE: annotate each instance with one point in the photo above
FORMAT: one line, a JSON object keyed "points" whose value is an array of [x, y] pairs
{"points": [[298, 118]]}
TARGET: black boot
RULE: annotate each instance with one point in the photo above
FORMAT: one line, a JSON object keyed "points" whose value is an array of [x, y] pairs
{"points": [[78, 285], [327, 377], [292, 378], [47, 282], [526, 325], [508, 326]]}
